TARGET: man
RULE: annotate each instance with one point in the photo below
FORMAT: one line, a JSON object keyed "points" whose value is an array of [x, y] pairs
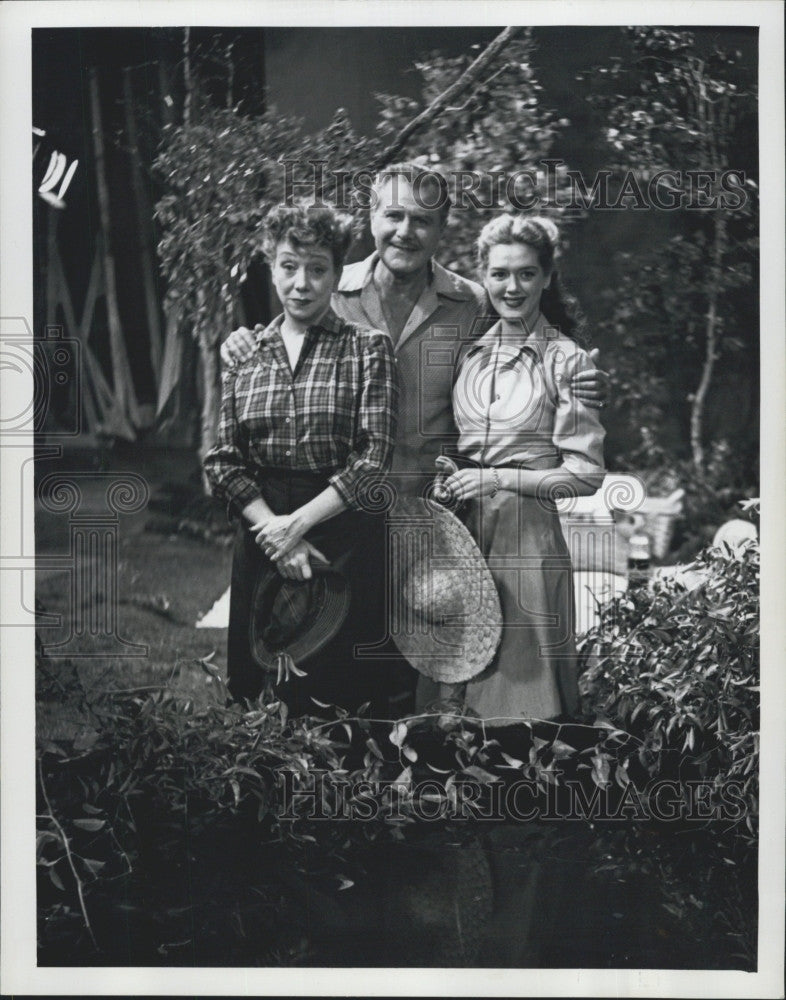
{"points": [[430, 313]]}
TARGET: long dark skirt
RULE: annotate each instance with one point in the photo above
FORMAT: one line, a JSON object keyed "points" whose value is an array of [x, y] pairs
{"points": [[346, 671]]}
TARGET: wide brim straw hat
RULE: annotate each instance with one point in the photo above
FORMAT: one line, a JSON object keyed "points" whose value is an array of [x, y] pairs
{"points": [[446, 618], [295, 619]]}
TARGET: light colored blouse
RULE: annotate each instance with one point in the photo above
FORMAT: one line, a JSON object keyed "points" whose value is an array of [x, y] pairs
{"points": [[513, 405]]}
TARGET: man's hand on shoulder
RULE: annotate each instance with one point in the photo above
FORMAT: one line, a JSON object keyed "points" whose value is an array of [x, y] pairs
{"points": [[591, 386], [238, 346]]}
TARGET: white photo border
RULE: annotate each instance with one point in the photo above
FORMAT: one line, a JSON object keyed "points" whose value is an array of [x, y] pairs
{"points": [[19, 973]]}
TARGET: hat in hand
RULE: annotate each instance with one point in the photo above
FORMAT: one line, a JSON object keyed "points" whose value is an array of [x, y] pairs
{"points": [[446, 617], [291, 620]]}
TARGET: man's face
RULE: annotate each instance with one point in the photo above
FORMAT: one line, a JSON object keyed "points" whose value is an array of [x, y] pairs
{"points": [[405, 233]]}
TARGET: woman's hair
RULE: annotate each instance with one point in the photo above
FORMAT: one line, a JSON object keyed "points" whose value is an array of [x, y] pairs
{"points": [[559, 307], [306, 226]]}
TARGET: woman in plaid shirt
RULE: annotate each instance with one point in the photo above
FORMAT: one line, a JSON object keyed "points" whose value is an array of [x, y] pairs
{"points": [[308, 423]]}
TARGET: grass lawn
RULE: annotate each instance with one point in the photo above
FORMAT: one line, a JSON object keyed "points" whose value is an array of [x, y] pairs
{"points": [[165, 583]]}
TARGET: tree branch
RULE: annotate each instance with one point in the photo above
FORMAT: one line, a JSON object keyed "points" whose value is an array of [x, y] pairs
{"points": [[469, 76], [66, 844]]}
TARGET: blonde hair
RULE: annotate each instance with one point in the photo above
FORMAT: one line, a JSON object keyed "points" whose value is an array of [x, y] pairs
{"points": [[534, 231]]}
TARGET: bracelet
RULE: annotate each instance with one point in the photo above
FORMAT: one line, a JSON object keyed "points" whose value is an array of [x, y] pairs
{"points": [[495, 487]]}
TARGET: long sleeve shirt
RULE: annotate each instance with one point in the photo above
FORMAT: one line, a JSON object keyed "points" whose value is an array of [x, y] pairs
{"points": [[513, 405], [450, 313], [335, 413]]}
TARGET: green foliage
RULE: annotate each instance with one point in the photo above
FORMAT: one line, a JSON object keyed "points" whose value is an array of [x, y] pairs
{"points": [[667, 107], [157, 769], [656, 322], [499, 128], [687, 310], [221, 175], [680, 669]]}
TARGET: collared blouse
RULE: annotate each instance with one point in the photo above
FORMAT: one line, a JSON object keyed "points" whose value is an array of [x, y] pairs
{"points": [[334, 414], [513, 405]]}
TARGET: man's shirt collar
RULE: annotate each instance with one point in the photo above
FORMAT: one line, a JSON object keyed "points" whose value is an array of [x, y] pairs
{"points": [[442, 281]]}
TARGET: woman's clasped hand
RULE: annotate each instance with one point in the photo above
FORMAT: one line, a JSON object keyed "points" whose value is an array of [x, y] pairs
{"points": [[277, 535]]}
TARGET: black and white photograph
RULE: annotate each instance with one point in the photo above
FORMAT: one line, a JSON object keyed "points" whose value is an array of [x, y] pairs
{"points": [[392, 460]]}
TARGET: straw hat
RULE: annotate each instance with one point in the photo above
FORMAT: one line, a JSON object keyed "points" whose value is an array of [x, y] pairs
{"points": [[291, 620], [446, 617]]}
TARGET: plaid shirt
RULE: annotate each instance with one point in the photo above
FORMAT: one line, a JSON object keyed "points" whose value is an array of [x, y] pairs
{"points": [[336, 414]]}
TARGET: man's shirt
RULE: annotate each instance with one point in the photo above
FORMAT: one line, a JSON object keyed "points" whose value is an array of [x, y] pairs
{"points": [[447, 317]]}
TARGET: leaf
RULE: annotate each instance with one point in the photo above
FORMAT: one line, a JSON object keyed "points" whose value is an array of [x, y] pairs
{"points": [[93, 825], [410, 754], [93, 865], [209, 667], [85, 740], [398, 734], [511, 761], [600, 770], [562, 750], [55, 879], [483, 776], [92, 810]]}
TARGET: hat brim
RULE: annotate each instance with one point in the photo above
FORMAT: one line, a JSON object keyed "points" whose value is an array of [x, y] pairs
{"points": [[443, 648], [327, 613]]}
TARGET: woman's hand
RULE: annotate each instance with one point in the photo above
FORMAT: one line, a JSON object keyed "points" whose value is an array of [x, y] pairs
{"points": [[591, 386], [469, 484], [296, 564], [278, 535]]}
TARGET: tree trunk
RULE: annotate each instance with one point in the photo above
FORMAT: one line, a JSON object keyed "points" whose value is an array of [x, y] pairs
{"points": [[211, 396], [122, 385], [468, 77], [187, 80], [143, 215], [710, 345], [210, 379]]}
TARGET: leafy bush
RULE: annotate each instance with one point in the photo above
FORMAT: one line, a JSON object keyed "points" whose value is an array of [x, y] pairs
{"points": [[680, 669], [158, 775]]}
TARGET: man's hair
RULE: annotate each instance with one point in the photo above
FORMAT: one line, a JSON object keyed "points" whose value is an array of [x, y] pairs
{"points": [[305, 226], [418, 175]]}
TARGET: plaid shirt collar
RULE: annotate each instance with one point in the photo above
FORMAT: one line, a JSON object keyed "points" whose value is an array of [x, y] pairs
{"points": [[442, 282], [329, 323]]}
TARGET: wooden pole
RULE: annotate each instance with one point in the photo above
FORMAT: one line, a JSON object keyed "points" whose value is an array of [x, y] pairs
{"points": [[121, 375], [52, 218], [187, 82], [143, 231]]}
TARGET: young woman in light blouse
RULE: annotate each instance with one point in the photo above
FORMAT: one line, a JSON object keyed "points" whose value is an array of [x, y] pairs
{"points": [[524, 440]]}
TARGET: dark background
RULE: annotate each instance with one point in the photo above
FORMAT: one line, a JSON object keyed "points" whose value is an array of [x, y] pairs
{"points": [[310, 72]]}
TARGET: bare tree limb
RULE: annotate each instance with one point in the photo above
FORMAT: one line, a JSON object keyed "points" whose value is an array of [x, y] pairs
{"points": [[469, 76], [67, 845]]}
